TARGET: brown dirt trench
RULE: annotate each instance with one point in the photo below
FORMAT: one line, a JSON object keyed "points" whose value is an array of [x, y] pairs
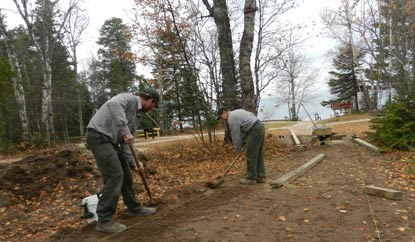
{"points": [[327, 203]]}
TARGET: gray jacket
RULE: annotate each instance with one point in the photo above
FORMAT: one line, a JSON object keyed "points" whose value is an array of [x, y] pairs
{"points": [[116, 118], [240, 123]]}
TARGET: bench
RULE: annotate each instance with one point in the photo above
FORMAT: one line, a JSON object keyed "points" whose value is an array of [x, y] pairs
{"points": [[154, 132]]}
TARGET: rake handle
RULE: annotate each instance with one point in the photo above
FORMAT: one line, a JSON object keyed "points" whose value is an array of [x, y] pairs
{"points": [[233, 161]]}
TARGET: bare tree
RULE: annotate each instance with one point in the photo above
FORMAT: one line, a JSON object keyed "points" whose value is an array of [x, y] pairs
{"points": [[219, 12], [269, 46], [297, 78], [356, 29], [74, 27], [245, 51]]}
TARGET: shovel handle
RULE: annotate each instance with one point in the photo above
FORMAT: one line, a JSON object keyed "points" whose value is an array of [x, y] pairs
{"points": [[233, 162], [141, 172]]}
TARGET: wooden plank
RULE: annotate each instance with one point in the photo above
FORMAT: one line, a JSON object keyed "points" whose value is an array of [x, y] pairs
{"points": [[383, 192], [364, 143], [157, 131], [140, 133], [292, 175], [338, 136], [322, 131], [296, 140]]}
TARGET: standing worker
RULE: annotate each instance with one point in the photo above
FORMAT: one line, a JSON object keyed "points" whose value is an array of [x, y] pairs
{"points": [[110, 131], [246, 128]]}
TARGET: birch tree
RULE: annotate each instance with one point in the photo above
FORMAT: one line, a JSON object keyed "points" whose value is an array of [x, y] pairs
{"points": [[245, 51], [42, 34], [17, 80]]}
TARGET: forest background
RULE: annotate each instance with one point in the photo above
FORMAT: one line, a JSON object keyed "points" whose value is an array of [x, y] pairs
{"points": [[200, 55]]}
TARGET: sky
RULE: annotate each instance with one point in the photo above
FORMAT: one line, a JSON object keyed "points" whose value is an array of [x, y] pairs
{"points": [[99, 11], [307, 13], [317, 48]]}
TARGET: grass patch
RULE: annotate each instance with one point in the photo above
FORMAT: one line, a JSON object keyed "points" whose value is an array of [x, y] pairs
{"points": [[278, 124], [347, 117]]}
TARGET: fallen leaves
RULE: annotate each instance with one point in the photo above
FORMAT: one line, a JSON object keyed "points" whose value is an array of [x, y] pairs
{"points": [[290, 232], [341, 208], [401, 229], [174, 168]]}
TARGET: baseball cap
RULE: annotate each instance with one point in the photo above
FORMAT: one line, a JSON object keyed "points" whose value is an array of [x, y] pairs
{"points": [[152, 93], [220, 111]]}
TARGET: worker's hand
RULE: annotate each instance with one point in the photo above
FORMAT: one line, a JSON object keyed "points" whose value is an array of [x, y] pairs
{"points": [[140, 166], [140, 169], [128, 138]]}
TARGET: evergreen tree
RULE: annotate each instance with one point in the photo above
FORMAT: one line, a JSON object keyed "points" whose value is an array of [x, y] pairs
{"points": [[344, 80], [5, 98], [65, 104], [116, 61]]}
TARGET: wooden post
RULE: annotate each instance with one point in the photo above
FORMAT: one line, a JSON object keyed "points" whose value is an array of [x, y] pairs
{"points": [[292, 175], [383, 192], [364, 143], [296, 140]]}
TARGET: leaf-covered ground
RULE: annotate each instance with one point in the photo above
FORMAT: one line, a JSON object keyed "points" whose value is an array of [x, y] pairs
{"points": [[40, 195]]}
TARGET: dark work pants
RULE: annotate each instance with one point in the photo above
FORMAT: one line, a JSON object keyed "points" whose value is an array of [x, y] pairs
{"points": [[255, 152], [116, 175]]}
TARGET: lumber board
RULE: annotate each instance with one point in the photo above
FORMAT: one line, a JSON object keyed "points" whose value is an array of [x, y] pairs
{"points": [[366, 144], [296, 140], [383, 192], [292, 175], [322, 132]]}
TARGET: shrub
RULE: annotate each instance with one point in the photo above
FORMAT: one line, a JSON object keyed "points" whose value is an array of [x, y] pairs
{"points": [[395, 129]]}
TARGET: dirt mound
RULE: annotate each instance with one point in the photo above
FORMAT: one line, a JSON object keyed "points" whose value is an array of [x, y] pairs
{"points": [[41, 172]]}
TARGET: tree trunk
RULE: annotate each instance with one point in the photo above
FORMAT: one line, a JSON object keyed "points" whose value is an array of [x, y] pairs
{"points": [[65, 129], [293, 101], [247, 84], [44, 49], [17, 84], [47, 107], [78, 94], [219, 12]]}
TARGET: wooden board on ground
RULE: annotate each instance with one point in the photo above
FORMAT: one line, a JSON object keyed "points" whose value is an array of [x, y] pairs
{"points": [[383, 192], [364, 143], [292, 175], [295, 138]]}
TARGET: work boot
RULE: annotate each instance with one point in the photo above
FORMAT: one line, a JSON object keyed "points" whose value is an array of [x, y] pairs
{"points": [[261, 180], [110, 227], [247, 181], [141, 211]]}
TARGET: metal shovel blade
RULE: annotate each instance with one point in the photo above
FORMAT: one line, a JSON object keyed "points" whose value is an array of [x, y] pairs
{"points": [[215, 184]]}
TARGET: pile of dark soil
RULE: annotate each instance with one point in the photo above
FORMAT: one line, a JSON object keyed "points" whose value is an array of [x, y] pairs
{"points": [[40, 173], [40, 193]]}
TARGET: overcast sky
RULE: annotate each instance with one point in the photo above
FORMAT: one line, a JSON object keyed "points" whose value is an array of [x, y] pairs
{"points": [[306, 14], [101, 10]]}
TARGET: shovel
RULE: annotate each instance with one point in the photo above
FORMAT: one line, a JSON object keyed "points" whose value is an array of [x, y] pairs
{"points": [[140, 169], [215, 184]]}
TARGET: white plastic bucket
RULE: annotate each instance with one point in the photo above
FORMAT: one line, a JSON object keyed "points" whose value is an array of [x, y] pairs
{"points": [[91, 203]]}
